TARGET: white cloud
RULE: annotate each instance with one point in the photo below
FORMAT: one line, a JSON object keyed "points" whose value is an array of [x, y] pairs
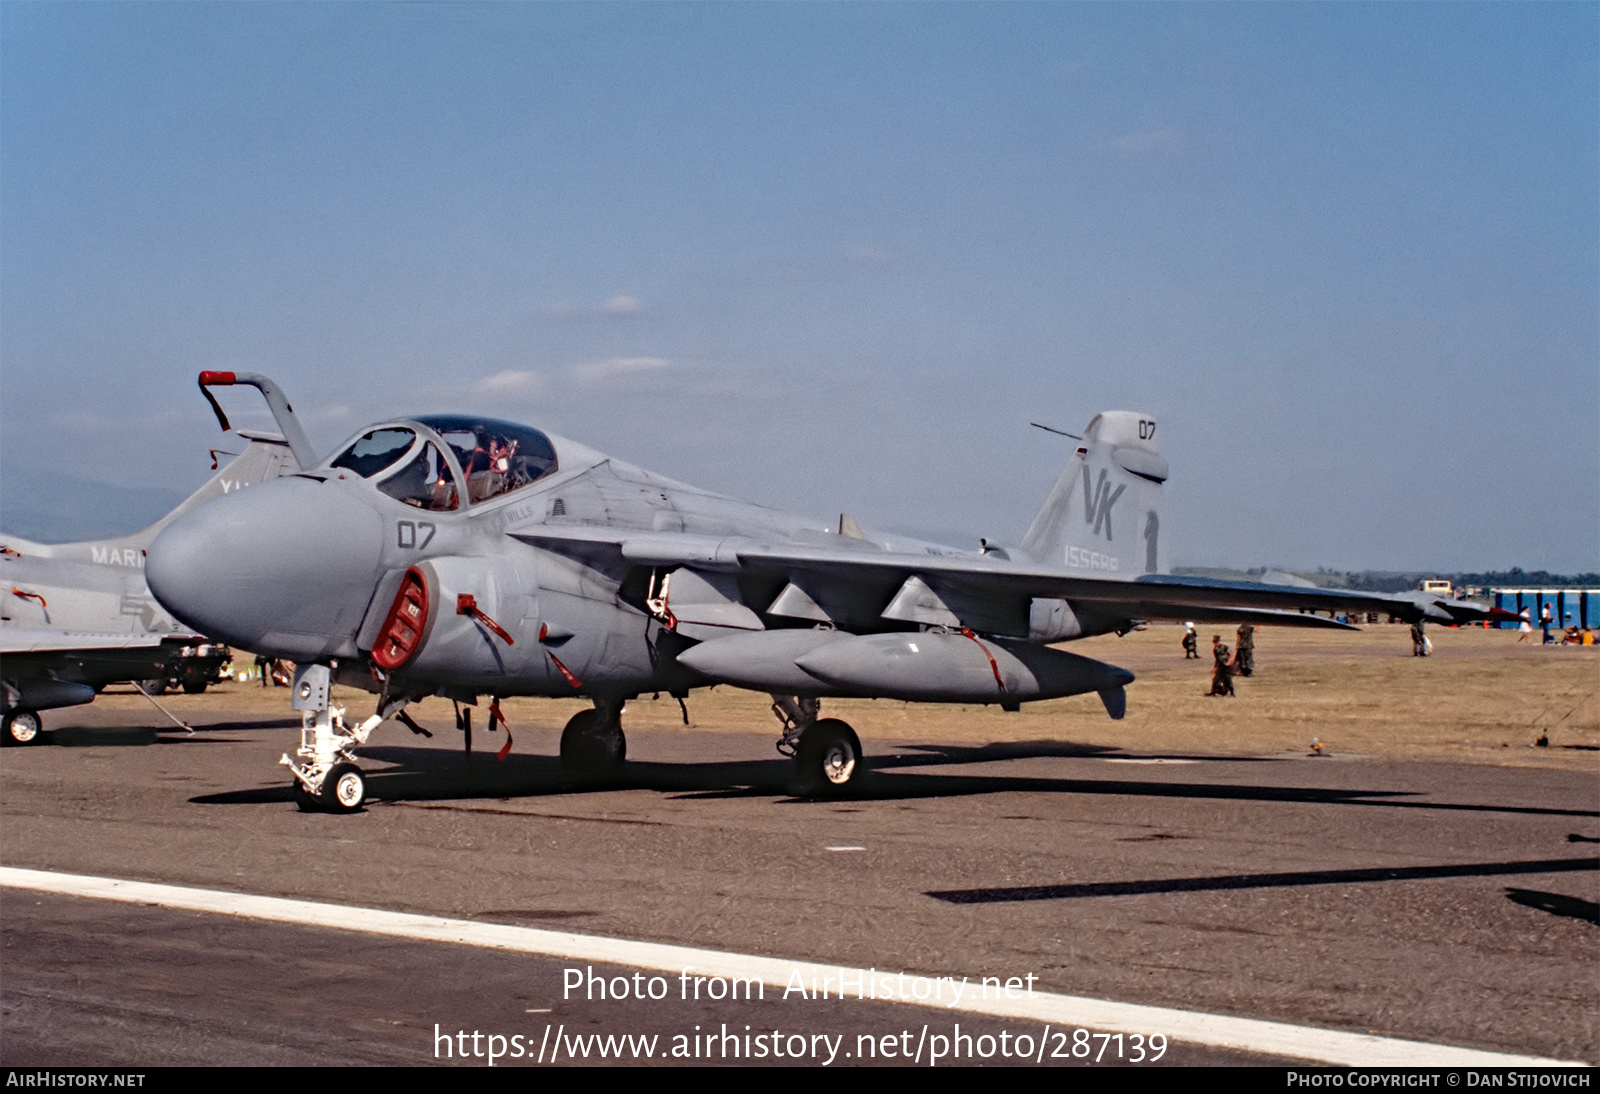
{"points": [[592, 371], [511, 382], [619, 306]]}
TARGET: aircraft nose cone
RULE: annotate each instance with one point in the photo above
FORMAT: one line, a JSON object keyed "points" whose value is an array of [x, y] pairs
{"points": [[285, 568]]}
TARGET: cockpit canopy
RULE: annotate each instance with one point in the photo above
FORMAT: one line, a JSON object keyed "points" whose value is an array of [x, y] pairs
{"points": [[496, 457], [490, 457]]}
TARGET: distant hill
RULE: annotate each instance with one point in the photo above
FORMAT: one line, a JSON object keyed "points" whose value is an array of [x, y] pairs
{"points": [[70, 508]]}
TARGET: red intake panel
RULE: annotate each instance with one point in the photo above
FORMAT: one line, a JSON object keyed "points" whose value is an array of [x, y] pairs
{"points": [[402, 630], [217, 378]]}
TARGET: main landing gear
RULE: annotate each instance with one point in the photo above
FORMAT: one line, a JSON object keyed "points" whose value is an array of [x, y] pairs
{"points": [[593, 742], [22, 728], [826, 751]]}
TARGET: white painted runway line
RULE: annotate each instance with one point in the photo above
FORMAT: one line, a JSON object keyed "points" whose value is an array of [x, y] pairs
{"points": [[1324, 1046]]}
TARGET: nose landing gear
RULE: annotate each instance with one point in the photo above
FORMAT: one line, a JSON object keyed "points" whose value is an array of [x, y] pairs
{"points": [[326, 778]]}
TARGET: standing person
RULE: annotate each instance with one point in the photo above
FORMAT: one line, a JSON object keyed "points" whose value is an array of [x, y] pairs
{"points": [[1419, 640], [1191, 643], [1524, 628], [1544, 623], [1247, 649], [1221, 671]]}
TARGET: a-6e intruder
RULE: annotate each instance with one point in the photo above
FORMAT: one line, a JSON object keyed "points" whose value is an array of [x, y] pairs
{"points": [[467, 557]]}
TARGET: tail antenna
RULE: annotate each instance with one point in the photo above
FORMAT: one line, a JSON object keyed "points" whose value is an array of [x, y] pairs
{"points": [[1051, 429]]}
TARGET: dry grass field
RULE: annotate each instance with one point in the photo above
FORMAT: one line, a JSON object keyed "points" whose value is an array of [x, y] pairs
{"points": [[1481, 698]]}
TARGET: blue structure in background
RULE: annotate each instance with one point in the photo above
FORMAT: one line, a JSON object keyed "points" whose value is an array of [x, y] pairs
{"points": [[1568, 607]]}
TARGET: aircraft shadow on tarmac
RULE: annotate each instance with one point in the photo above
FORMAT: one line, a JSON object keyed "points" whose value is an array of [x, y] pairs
{"points": [[142, 736], [1544, 901], [940, 755], [1556, 904], [432, 775]]}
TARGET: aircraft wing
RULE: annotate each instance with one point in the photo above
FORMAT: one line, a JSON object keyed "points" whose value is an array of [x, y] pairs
{"points": [[26, 640], [850, 583], [41, 668]]}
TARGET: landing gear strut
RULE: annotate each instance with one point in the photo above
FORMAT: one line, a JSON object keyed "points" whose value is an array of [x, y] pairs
{"points": [[326, 778], [593, 742], [826, 751]]}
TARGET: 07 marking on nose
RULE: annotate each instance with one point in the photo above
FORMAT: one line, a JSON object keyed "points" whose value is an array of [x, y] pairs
{"points": [[406, 533]]}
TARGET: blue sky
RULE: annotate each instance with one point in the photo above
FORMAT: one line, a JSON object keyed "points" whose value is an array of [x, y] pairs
{"points": [[836, 257]]}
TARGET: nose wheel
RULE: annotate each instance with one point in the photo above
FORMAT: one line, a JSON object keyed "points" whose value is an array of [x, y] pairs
{"points": [[344, 790]]}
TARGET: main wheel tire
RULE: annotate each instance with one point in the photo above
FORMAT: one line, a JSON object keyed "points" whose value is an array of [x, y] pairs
{"points": [[22, 728], [194, 687], [305, 799], [154, 687], [344, 789], [828, 760], [592, 746]]}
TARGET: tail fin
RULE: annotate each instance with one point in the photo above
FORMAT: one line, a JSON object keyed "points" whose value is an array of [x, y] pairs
{"points": [[267, 456], [1104, 513]]}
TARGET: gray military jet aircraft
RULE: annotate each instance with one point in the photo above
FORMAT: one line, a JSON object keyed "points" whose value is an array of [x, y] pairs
{"points": [[462, 556], [75, 617], [1432, 605]]}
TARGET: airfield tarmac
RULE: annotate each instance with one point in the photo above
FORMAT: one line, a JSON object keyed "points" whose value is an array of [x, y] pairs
{"points": [[1427, 876]]}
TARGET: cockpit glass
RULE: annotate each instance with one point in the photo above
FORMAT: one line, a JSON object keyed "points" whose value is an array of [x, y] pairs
{"points": [[375, 450], [424, 482], [496, 457]]}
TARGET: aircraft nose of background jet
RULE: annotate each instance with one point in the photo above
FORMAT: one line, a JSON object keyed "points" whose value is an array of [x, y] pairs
{"points": [[284, 567]]}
